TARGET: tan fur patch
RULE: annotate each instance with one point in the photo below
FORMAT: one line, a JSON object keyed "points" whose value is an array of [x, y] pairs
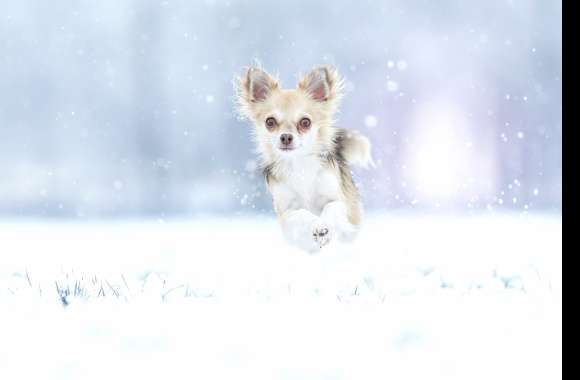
{"points": [[317, 96]]}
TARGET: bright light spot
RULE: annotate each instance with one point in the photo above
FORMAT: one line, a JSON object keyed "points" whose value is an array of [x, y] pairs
{"points": [[402, 65], [520, 135], [209, 98], [439, 159], [205, 67], [392, 86], [390, 64], [371, 121]]}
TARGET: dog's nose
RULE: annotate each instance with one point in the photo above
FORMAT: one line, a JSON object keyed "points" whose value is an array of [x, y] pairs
{"points": [[286, 138]]}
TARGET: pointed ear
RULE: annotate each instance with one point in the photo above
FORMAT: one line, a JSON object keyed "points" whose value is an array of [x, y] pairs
{"points": [[257, 85], [322, 84]]}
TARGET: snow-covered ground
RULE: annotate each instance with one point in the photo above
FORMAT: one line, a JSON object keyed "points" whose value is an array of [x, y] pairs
{"points": [[416, 297]]}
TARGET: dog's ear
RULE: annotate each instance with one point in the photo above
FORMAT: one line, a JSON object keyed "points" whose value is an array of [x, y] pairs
{"points": [[253, 87], [257, 85], [322, 84]]}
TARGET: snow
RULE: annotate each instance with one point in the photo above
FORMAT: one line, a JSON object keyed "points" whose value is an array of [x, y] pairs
{"points": [[392, 86], [371, 121], [431, 296], [402, 65]]}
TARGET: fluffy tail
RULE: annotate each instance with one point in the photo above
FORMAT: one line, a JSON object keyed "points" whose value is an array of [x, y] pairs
{"points": [[354, 147]]}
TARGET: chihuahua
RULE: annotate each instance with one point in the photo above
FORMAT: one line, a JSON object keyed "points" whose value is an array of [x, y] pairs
{"points": [[305, 159]]}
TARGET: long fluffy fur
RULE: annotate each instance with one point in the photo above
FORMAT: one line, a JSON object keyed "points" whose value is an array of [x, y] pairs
{"points": [[258, 95], [354, 147]]}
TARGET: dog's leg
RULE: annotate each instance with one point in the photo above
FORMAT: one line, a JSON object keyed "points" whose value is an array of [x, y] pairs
{"points": [[335, 216], [304, 229]]}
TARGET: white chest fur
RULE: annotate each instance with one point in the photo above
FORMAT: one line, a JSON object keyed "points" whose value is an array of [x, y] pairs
{"points": [[304, 183]]}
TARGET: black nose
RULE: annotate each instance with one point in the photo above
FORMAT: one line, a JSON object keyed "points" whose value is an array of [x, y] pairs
{"points": [[286, 138]]}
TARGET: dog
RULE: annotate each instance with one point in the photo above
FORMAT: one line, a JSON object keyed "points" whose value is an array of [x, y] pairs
{"points": [[305, 159]]}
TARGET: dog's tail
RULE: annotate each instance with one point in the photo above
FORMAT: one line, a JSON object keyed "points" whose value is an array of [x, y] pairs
{"points": [[354, 147]]}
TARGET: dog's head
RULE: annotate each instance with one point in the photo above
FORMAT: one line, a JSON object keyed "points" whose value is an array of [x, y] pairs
{"points": [[289, 122]]}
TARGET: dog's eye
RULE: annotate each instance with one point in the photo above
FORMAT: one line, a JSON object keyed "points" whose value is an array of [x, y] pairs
{"points": [[270, 123], [304, 123]]}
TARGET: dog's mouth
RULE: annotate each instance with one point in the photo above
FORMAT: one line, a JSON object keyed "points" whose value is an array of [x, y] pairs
{"points": [[286, 148]]}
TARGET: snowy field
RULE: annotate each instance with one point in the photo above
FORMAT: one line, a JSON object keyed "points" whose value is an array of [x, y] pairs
{"points": [[428, 297]]}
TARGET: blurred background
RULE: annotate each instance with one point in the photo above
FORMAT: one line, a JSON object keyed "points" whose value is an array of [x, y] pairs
{"points": [[125, 108]]}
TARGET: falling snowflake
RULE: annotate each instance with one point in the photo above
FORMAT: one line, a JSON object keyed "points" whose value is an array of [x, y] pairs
{"points": [[251, 165], [402, 65], [371, 121]]}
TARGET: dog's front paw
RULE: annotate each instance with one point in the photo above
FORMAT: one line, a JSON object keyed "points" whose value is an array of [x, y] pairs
{"points": [[321, 235]]}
